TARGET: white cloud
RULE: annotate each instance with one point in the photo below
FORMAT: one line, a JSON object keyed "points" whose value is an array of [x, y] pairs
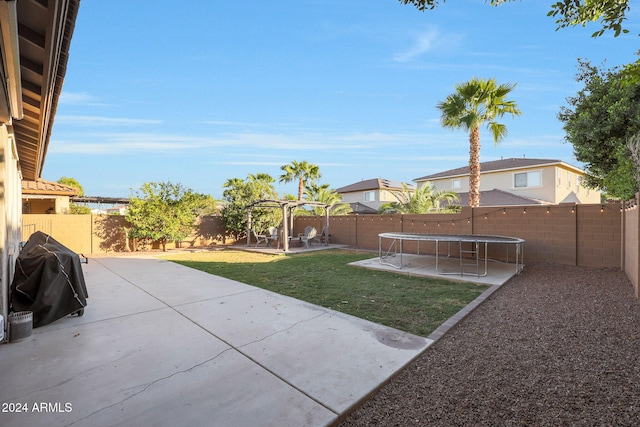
{"points": [[103, 121], [423, 43], [76, 98], [262, 144]]}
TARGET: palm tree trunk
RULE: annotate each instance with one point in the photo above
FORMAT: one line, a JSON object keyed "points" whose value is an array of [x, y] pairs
{"points": [[474, 167], [300, 188]]}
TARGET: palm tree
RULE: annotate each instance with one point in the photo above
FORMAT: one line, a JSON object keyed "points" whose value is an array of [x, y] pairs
{"points": [[328, 196], [302, 171], [476, 102], [422, 200]]}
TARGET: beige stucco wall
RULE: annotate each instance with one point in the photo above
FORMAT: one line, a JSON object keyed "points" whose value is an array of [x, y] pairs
{"points": [[41, 204], [381, 195], [10, 217]]}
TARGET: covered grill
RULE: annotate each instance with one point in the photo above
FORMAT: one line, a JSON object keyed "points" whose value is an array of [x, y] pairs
{"points": [[48, 281]]}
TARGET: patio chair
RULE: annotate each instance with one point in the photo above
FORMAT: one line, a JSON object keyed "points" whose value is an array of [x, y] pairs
{"points": [[273, 233], [261, 238], [323, 237], [308, 236]]}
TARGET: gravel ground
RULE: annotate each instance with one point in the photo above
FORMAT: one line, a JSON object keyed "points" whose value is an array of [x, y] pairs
{"points": [[556, 346]]}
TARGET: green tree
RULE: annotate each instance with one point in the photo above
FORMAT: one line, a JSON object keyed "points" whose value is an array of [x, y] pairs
{"points": [[569, 13], [72, 182], [164, 212], [303, 172], [238, 194], [77, 209], [422, 200], [477, 102], [599, 122], [74, 208], [323, 194]]}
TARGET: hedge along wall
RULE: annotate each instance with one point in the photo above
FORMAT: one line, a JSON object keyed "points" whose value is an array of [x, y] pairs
{"points": [[584, 235]]}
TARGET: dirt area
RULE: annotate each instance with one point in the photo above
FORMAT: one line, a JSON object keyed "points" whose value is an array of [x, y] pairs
{"points": [[556, 346]]}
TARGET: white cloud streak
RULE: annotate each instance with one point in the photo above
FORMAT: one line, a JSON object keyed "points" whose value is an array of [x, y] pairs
{"points": [[423, 43], [101, 121]]}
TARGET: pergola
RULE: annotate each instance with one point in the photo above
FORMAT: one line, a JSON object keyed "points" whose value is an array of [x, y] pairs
{"points": [[287, 207]]}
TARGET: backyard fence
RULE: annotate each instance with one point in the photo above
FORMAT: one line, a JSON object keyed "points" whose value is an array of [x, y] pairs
{"points": [[602, 235]]}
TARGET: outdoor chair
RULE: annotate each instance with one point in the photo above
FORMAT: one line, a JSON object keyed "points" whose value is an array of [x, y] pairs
{"points": [[262, 238], [308, 236], [323, 237], [273, 232]]}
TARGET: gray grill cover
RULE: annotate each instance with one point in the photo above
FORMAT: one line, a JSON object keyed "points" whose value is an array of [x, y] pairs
{"points": [[48, 280]]}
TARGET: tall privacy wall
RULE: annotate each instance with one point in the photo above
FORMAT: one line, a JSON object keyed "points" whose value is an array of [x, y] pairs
{"points": [[584, 235], [631, 248], [94, 234]]}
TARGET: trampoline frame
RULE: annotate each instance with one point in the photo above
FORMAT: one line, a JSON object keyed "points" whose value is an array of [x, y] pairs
{"points": [[476, 241]]}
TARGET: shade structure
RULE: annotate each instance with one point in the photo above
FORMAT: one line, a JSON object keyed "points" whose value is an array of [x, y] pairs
{"points": [[287, 207]]}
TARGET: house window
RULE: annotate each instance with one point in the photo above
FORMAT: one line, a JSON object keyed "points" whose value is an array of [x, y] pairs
{"points": [[369, 196], [569, 179], [456, 184], [527, 179], [559, 177]]}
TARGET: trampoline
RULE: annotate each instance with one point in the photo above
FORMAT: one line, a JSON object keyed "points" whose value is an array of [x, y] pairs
{"points": [[469, 250]]}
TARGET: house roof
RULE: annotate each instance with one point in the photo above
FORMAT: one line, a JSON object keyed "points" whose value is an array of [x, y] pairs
{"points": [[365, 207], [498, 165], [43, 187], [497, 197], [373, 184], [36, 51]]}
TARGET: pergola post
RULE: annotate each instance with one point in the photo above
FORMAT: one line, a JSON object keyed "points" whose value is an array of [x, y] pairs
{"points": [[249, 209], [285, 231], [326, 225]]}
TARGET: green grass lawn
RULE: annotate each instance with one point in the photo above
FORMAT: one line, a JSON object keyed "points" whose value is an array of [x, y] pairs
{"points": [[413, 304]]}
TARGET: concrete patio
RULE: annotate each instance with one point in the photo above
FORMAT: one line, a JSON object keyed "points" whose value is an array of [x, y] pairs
{"points": [[162, 344], [497, 272]]}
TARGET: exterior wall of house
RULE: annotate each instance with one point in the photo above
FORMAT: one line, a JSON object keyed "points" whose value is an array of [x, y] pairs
{"points": [[353, 197], [567, 181], [45, 204], [10, 217], [38, 205], [557, 183], [380, 195], [387, 196], [546, 191]]}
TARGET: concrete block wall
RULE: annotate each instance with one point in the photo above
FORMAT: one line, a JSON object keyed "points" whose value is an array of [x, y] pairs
{"points": [[587, 235], [92, 234], [631, 245]]}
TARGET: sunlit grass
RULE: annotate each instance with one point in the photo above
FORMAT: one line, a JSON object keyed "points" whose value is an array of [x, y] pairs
{"points": [[413, 304]]}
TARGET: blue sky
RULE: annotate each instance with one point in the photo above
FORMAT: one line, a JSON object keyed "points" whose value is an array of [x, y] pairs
{"points": [[202, 91]]}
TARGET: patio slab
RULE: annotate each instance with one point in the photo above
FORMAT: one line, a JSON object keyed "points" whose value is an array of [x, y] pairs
{"points": [[498, 273], [162, 344]]}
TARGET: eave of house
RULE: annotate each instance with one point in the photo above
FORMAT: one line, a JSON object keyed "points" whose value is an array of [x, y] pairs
{"points": [[44, 30]]}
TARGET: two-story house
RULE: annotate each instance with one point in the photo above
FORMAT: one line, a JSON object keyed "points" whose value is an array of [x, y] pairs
{"points": [[518, 181], [368, 195]]}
